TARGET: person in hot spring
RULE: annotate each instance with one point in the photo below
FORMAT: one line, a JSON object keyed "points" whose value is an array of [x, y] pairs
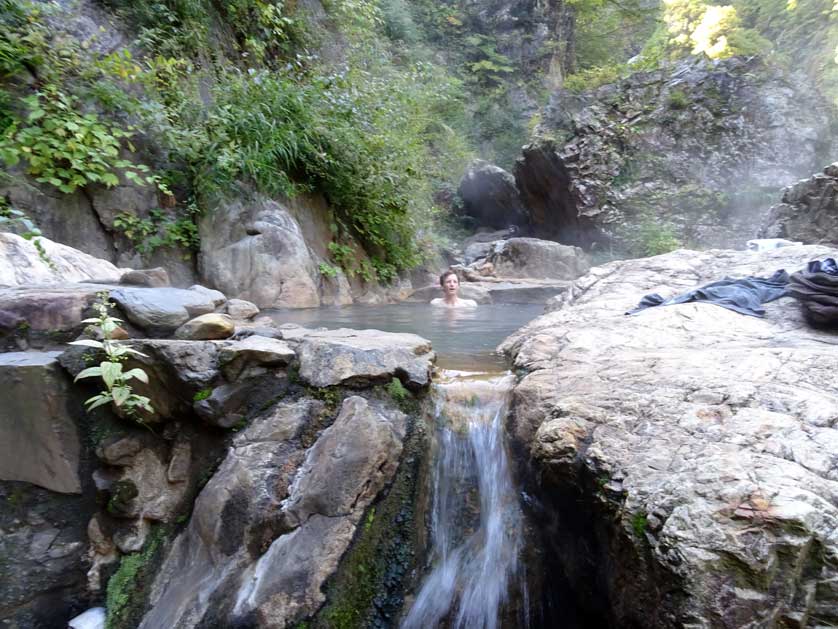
{"points": [[450, 284]]}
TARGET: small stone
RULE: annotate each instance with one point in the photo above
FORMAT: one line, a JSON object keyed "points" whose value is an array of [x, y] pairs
{"points": [[216, 296], [241, 309], [99, 541], [153, 278], [207, 327], [119, 450], [178, 470]]}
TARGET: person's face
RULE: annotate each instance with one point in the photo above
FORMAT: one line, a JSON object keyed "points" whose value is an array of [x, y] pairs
{"points": [[451, 285]]}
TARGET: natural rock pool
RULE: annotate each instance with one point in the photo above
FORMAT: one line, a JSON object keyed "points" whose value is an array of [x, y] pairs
{"points": [[463, 339]]}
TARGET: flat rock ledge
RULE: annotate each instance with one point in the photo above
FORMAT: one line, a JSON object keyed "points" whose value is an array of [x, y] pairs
{"points": [[359, 357], [698, 444]]}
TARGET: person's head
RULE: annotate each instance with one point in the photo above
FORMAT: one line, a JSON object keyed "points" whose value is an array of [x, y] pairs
{"points": [[449, 282]]}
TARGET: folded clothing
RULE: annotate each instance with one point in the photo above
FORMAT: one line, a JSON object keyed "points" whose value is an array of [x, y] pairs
{"points": [[816, 288], [743, 295]]}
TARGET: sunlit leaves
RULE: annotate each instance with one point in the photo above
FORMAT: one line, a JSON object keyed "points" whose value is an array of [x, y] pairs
{"points": [[118, 390]]}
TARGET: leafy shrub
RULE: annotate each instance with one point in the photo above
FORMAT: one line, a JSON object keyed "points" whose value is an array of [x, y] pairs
{"points": [[655, 237], [678, 99], [118, 390], [66, 148], [159, 230]]}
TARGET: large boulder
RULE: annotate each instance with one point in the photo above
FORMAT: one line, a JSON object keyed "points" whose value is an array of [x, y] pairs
{"points": [[21, 263], [45, 492], [44, 316], [270, 527], [691, 153], [537, 259], [490, 198], [808, 211], [163, 310], [39, 440], [255, 250], [685, 453]]}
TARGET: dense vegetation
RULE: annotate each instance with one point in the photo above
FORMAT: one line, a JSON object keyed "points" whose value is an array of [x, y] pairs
{"points": [[376, 104], [616, 38], [233, 97]]}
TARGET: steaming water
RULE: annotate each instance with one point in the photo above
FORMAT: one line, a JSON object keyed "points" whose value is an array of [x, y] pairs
{"points": [[476, 521], [463, 338]]}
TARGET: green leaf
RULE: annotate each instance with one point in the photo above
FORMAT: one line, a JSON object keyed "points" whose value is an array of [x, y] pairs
{"points": [[88, 342], [97, 401], [111, 373], [137, 373], [90, 372], [120, 394], [110, 180]]}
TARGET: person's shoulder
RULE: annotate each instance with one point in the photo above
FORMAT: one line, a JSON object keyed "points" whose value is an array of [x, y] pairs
{"points": [[438, 301], [468, 303]]}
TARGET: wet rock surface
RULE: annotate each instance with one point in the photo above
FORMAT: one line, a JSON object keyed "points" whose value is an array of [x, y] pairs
{"points": [[808, 211], [685, 453], [272, 524]]}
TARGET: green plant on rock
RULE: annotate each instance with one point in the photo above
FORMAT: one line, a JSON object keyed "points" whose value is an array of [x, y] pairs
{"points": [[118, 389], [344, 256], [639, 523], [327, 270], [397, 391], [122, 603], [656, 237], [159, 230], [678, 99], [11, 218], [66, 148]]}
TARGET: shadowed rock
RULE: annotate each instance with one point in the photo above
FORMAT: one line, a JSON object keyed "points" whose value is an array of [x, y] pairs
{"points": [[39, 440], [808, 211], [490, 197]]}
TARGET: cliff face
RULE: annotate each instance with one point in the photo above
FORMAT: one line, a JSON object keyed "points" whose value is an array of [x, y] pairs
{"points": [[692, 154]]}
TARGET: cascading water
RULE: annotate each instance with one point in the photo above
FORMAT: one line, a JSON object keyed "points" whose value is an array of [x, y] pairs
{"points": [[476, 520]]}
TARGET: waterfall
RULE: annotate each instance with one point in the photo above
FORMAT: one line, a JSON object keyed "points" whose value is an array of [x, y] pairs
{"points": [[476, 519]]}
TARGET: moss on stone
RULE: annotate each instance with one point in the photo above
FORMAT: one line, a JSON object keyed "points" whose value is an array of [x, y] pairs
{"points": [[126, 595], [369, 588]]}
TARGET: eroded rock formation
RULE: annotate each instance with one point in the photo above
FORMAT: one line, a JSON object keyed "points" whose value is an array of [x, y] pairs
{"points": [[99, 501], [695, 152], [808, 211], [684, 453]]}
